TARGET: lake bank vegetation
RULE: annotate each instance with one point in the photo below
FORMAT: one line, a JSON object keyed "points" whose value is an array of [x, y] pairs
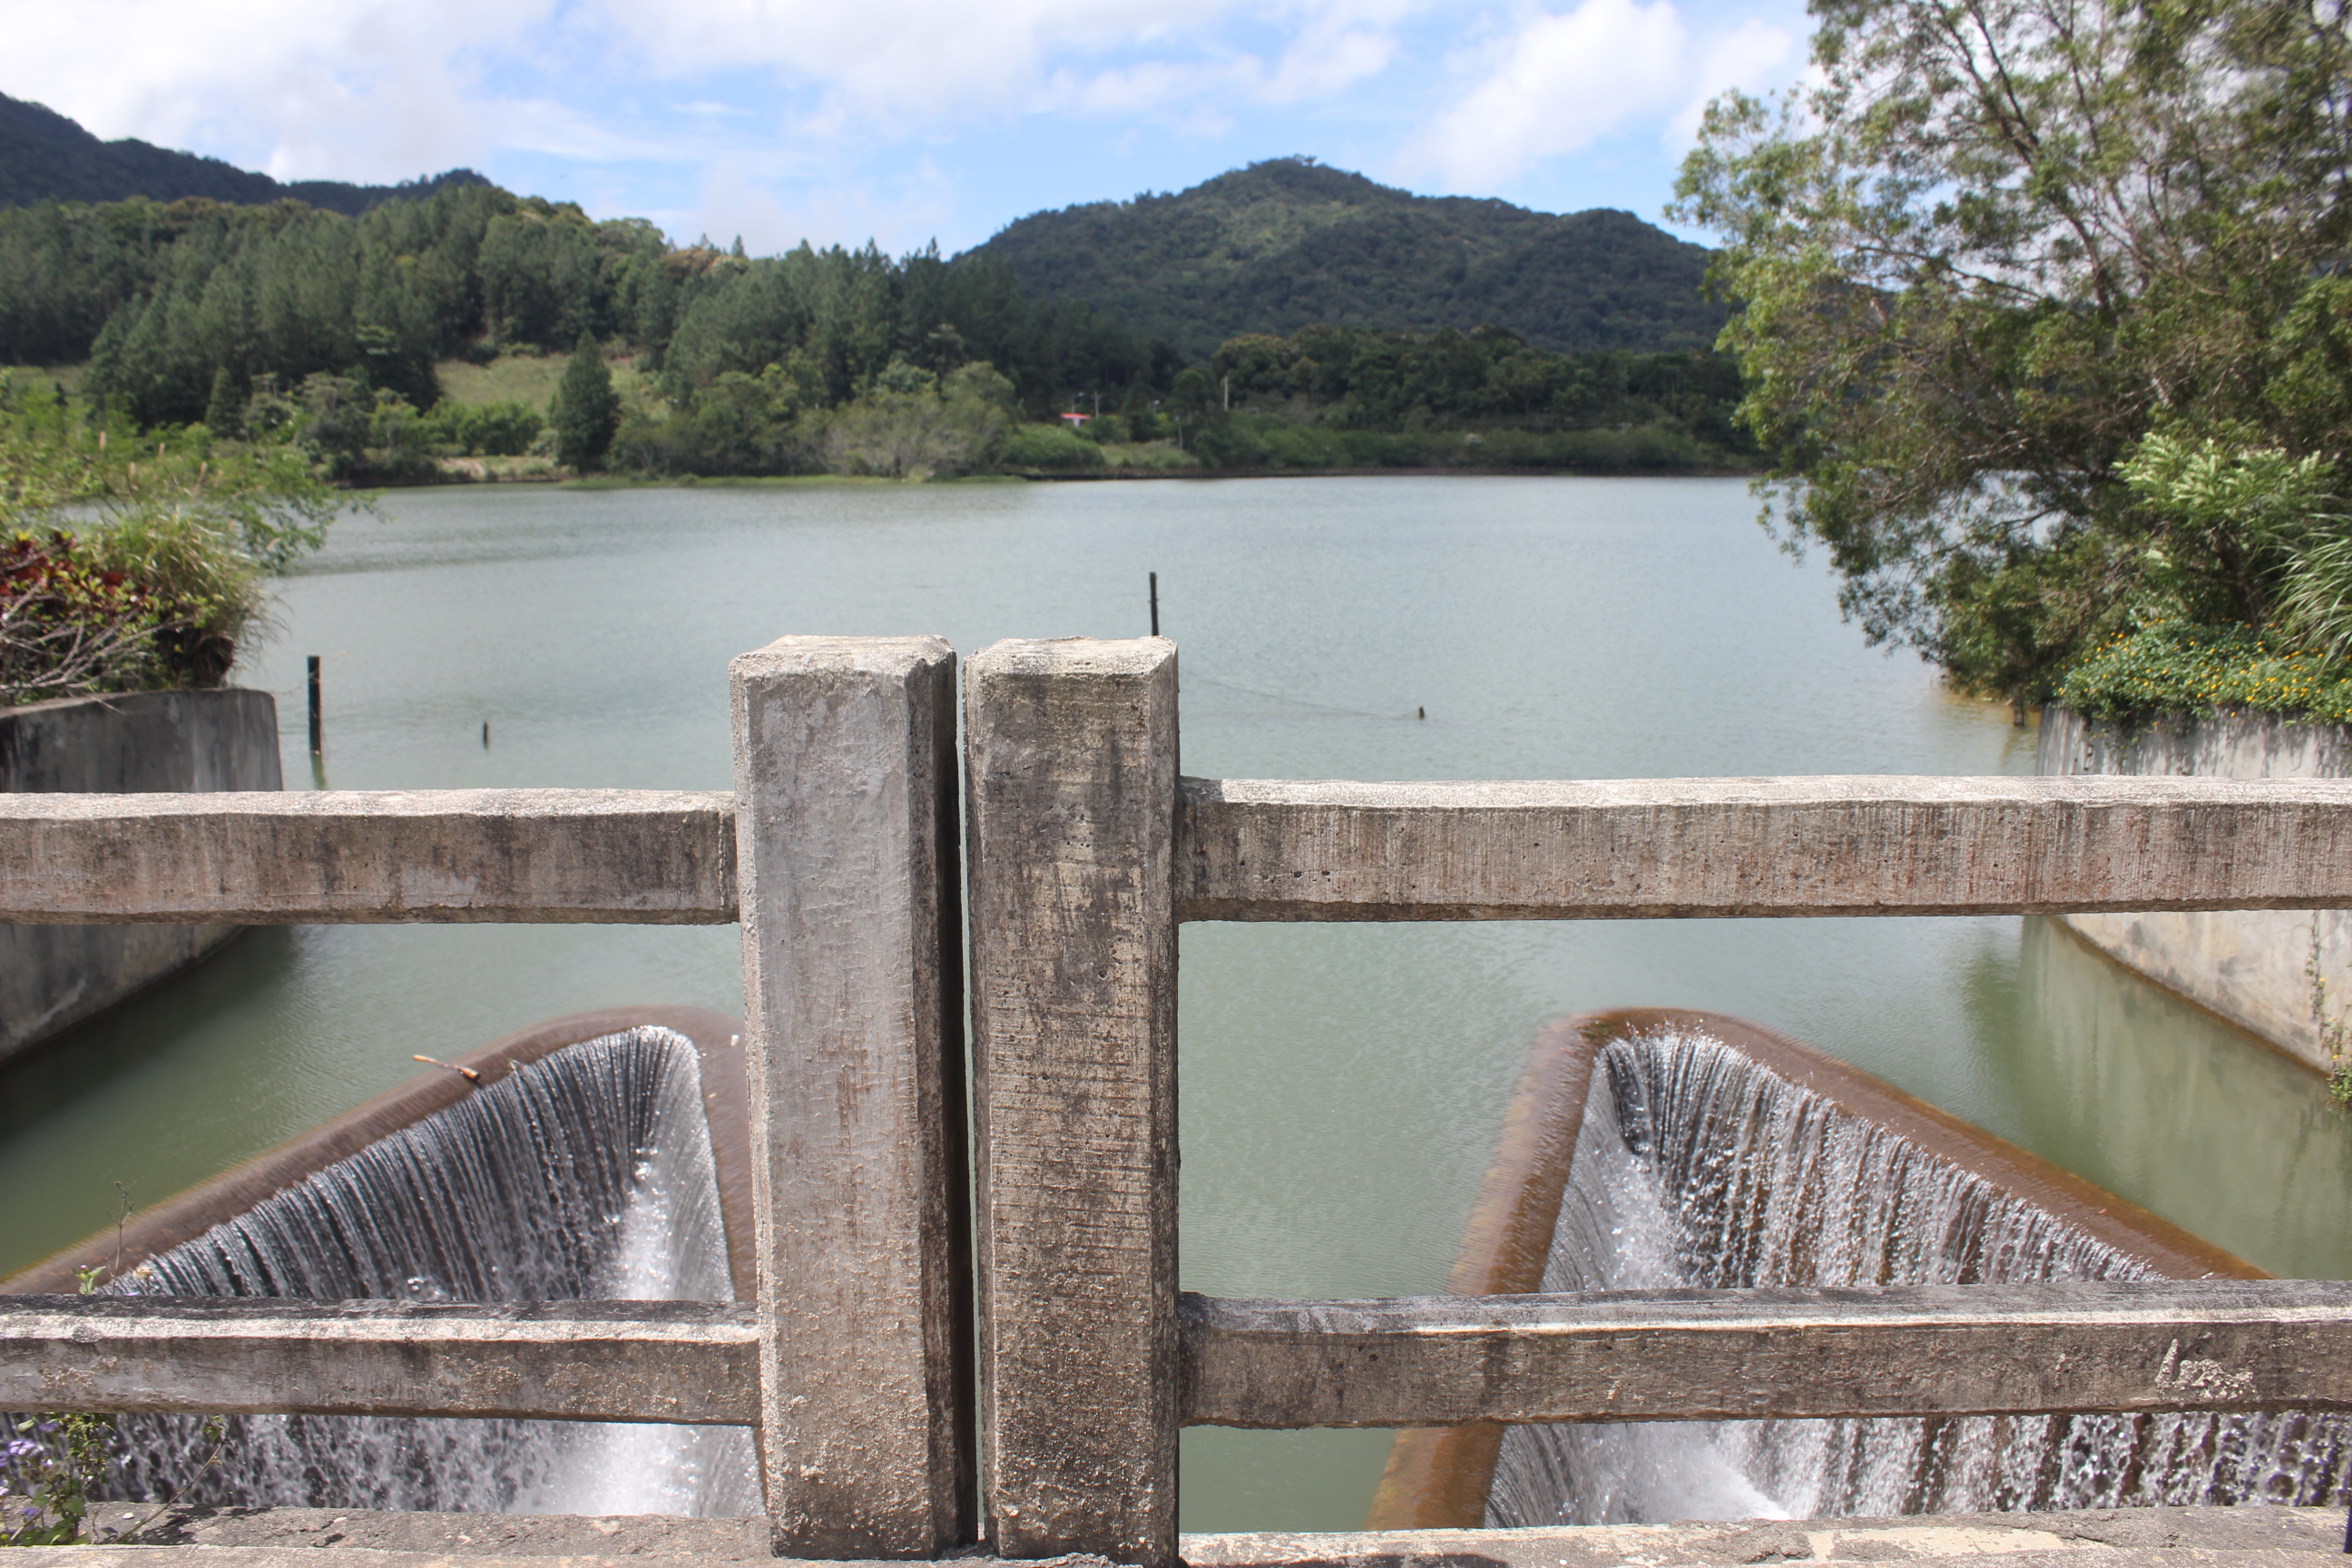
{"points": [[421, 340], [128, 563], [2046, 324]]}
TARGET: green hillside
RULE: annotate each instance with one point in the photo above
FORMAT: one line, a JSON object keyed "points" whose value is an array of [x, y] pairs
{"points": [[1290, 242], [45, 156]]}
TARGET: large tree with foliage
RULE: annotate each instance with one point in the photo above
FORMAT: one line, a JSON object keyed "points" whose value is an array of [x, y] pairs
{"points": [[1996, 247], [586, 411]]}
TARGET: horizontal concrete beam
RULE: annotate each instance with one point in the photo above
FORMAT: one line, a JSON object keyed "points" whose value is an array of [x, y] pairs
{"points": [[659, 857], [1250, 850], [1652, 1355], [693, 1362], [2156, 1537]]}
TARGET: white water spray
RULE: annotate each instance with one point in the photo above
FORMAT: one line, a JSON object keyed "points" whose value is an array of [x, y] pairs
{"points": [[587, 1175], [1697, 1167]]}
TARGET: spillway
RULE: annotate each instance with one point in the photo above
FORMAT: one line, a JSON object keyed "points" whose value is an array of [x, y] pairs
{"points": [[1699, 1152], [585, 1174]]}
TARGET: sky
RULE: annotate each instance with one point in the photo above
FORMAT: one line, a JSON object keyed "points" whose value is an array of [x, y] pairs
{"points": [[907, 122]]}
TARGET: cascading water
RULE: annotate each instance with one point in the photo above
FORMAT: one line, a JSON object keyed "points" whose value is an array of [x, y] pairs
{"points": [[1697, 1167], [585, 1176]]}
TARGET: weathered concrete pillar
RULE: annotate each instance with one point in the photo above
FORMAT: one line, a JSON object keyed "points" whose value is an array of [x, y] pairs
{"points": [[845, 783], [1071, 792]]}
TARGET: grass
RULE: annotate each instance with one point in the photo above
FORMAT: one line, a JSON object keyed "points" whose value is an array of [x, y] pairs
{"points": [[510, 378], [69, 376], [528, 379]]}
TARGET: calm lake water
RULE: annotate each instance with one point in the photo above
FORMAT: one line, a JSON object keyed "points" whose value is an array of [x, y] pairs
{"points": [[1341, 1085]]}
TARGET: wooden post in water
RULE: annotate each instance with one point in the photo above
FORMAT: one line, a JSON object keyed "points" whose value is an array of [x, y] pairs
{"points": [[846, 867], [318, 747], [1071, 792], [1155, 603]]}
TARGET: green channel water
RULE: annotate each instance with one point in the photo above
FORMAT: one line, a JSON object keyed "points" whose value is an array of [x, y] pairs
{"points": [[1341, 1085]]}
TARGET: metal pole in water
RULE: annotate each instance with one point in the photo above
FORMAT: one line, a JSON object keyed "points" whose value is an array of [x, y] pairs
{"points": [[317, 747], [1155, 603]]}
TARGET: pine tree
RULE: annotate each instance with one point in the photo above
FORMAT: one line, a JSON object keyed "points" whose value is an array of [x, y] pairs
{"points": [[587, 410], [225, 410]]}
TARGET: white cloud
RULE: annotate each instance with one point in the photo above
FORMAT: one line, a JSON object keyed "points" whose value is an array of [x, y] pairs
{"points": [[737, 201], [914, 59], [351, 88], [768, 116], [1748, 57], [905, 65], [1558, 83], [388, 89]]}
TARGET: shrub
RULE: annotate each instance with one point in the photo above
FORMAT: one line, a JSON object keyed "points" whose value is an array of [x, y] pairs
{"points": [[1048, 446], [912, 434], [133, 561], [2178, 668], [483, 429]]}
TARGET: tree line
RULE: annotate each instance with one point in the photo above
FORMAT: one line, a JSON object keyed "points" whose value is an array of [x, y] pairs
{"points": [[287, 323], [1366, 379], [175, 304]]}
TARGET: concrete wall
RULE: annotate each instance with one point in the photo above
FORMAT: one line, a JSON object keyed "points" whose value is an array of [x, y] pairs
{"points": [[2250, 967], [53, 977]]}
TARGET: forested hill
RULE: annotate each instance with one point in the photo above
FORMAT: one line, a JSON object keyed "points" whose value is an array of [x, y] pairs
{"points": [[44, 156], [1290, 242]]}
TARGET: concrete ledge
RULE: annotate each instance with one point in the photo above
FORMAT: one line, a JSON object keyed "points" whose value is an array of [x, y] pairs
{"points": [[2114, 1538], [656, 857], [52, 978], [1257, 849], [2123, 1538], [2249, 967]]}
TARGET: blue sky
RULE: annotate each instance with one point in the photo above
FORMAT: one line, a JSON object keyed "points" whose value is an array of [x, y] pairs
{"points": [[905, 121]]}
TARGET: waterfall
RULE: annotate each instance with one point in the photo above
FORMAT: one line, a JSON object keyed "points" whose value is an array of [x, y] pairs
{"points": [[1697, 1167], [584, 1175]]}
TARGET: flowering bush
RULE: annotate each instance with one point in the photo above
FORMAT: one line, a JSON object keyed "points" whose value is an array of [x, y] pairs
{"points": [[48, 1467], [2178, 669]]}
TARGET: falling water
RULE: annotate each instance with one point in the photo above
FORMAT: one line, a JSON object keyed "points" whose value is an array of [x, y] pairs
{"points": [[585, 1176], [1697, 1167]]}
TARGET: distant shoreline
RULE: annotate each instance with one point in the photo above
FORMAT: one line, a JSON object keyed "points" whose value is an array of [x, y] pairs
{"points": [[1083, 475]]}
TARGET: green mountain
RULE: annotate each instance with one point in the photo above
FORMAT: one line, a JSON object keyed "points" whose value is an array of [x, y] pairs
{"points": [[1290, 242], [45, 156]]}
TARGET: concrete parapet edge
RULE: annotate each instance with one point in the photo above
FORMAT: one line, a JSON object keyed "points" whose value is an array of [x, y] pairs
{"points": [[2249, 967], [139, 742], [2123, 1538]]}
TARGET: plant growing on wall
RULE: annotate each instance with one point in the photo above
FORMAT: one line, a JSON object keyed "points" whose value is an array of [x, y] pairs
{"points": [[52, 1466], [130, 561]]}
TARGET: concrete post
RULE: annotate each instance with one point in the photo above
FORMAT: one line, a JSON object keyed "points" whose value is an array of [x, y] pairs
{"points": [[845, 782], [1071, 795]]}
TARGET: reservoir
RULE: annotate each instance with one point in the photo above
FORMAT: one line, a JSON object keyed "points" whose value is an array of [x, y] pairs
{"points": [[1341, 1085]]}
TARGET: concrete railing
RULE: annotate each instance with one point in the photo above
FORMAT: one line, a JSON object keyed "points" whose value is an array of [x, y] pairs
{"points": [[881, 1431]]}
